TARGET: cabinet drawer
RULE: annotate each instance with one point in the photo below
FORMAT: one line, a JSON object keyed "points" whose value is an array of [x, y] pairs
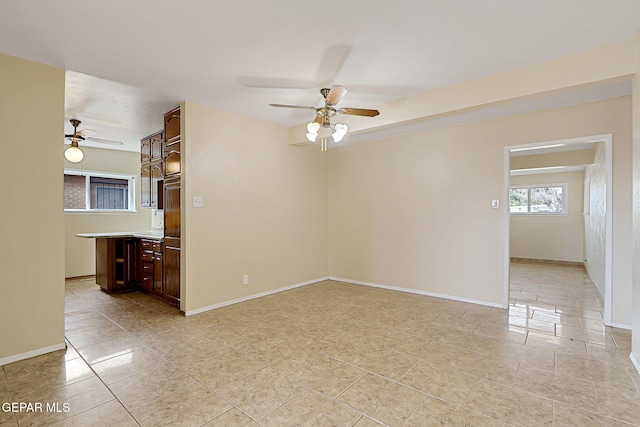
{"points": [[147, 268], [147, 256], [147, 282], [147, 245], [156, 246]]}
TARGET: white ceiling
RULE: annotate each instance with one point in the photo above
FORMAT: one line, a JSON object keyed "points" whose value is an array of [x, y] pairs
{"points": [[241, 55]]}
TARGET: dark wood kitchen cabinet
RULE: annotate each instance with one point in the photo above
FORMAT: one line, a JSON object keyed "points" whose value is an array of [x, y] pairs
{"points": [[151, 171], [116, 264]]}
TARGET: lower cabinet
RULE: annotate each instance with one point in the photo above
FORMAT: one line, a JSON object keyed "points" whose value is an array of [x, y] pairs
{"points": [[158, 274], [116, 264]]}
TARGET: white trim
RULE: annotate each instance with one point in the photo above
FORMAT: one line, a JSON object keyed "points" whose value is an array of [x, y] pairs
{"points": [[254, 296], [635, 361], [608, 270], [415, 291], [32, 353], [507, 225], [620, 326], [548, 170], [87, 174]]}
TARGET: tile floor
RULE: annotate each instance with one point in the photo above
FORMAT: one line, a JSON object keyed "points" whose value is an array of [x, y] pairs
{"points": [[336, 354]]}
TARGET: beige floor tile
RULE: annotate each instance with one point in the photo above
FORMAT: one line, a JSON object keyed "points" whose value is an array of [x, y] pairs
{"points": [[80, 396], [535, 357], [128, 364], [569, 416], [260, 393], [187, 356], [558, 318], [489, 367], [564, 388], [232, 418], [45, 372], [328, 376], [580, 312], [192, 405], [581, 334], [560, 344], [221, 371], [144, 387], [619, 400], [591, 370], [510, 405], [108, 349], [392, 365], [502, 332], [383, 400], [365, 421], [86, 338], [287, 356], [434, 412], [110, 414], [532, 324], [311, 409], [447, 384]]}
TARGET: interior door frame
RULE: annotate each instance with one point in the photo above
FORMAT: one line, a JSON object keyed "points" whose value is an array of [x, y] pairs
{"points": [[607, 139]]}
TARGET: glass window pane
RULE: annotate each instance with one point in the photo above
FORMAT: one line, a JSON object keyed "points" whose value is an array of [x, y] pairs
{"points": [[546, 200], [109, 193], [518, 200]]}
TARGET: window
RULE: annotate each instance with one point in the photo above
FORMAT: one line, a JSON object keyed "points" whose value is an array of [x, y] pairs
{"points": [[538, 199], [98, 191]]}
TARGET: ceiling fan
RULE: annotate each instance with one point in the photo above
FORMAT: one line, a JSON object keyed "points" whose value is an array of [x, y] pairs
{"points": [[331, 97], [73, 153]]}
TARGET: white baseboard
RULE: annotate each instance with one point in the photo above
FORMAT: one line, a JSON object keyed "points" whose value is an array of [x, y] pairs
{"points": [[33, 353], [635, 361], [620, 326], [254, 296], [415, 291]]}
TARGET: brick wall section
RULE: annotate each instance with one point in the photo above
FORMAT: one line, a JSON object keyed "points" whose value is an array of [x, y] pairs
{"points": [[74, 192]]}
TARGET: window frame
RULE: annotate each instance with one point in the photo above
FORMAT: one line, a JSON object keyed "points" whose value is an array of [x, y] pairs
{"points": [[99, 174], [528, 187]]}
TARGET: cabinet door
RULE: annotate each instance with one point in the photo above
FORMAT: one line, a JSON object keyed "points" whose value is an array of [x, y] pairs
{"points": [[172, 125], [156, 146], [145, 185], [157, 273], [172, 273], [156, 185], [145, 150], [172, 159], [172, 208]]}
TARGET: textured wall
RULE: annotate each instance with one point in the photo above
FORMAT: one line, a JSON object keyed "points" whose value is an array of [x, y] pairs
{"points": [[594, 222]]}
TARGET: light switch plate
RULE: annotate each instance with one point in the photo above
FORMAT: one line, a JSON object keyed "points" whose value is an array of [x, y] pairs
{"points": [[198, 202], [495, 203]]}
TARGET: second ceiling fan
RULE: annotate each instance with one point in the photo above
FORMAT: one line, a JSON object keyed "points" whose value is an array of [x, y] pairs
{"points": [[331, 97]]}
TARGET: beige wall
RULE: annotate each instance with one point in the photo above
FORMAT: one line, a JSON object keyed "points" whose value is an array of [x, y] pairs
{"points": [[415, 211], [80, 252], [565, 158], [636, 212], [265, 208], [31, 219], [550, 237], [594, 221]]}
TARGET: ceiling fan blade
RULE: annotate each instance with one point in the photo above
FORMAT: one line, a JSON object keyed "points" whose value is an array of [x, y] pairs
{"points": [[335, 94], [104, 141], [359, 112], [87, 132], [292, 106]]}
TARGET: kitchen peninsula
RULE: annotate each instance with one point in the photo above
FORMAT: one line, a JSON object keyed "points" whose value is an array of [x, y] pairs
{"points": [[133, 261]]}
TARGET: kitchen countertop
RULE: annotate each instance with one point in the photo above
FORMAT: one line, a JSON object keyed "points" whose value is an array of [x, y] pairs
{"points": [[149, 234]]}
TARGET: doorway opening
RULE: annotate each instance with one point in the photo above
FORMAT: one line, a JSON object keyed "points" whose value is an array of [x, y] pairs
{"points": [[530, 199]]}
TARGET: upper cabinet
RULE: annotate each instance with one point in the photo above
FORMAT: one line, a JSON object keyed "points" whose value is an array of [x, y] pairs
{"points": [[151, 171], [172, 126]]}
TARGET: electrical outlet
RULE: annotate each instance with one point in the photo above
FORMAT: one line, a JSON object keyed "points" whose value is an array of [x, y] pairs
{"points": [[245, 279]]}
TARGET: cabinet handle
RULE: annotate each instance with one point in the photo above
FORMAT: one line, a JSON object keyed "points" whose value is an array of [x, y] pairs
{"points": [[173, 152], [175, 116]]}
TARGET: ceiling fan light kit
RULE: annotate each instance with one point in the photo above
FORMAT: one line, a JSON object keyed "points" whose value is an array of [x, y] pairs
{"points": [[74, 154], [331, 97]]}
